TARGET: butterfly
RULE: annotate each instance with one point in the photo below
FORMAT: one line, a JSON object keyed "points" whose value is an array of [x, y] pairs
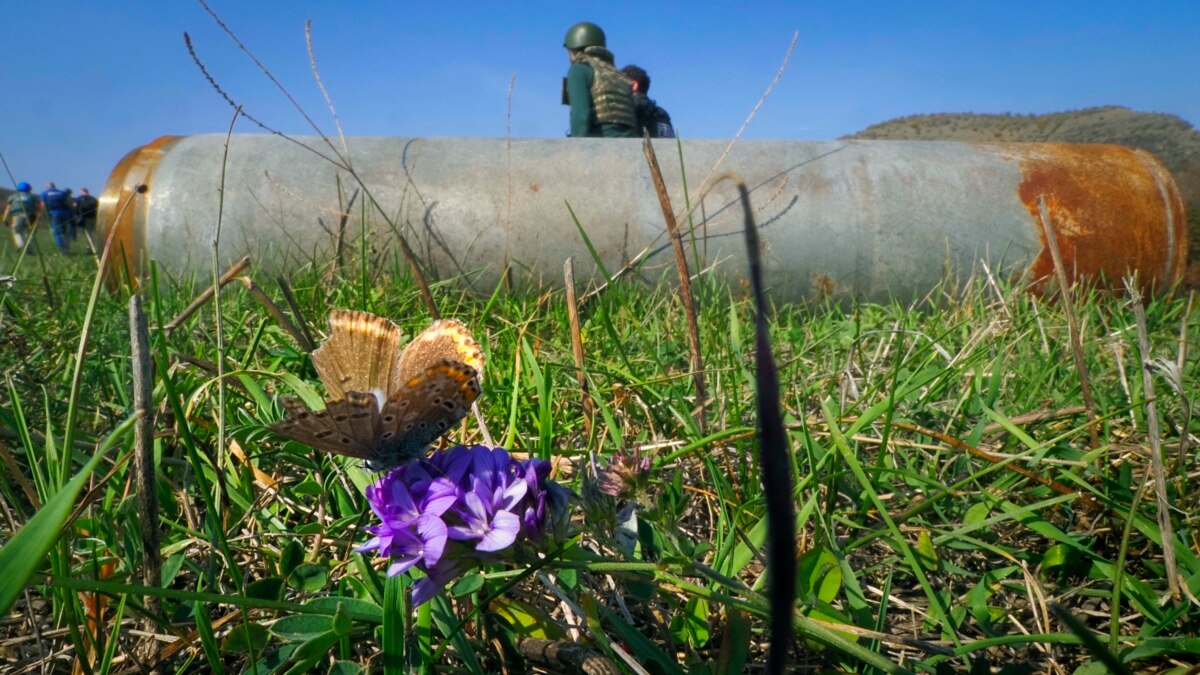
{"points": [[386, 405]]}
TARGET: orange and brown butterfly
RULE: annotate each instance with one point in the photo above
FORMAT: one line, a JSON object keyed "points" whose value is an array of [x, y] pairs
{"points": [[386, 405]]}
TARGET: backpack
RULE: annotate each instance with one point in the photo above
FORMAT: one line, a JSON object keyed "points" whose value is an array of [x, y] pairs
{"points": [[662, 122], [25, 203], [653, 118]]}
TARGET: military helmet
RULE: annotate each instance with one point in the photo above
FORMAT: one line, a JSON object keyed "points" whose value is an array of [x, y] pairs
{"points": [[584, 34]]}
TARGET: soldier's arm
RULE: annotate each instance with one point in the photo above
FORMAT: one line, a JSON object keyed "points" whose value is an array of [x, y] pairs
{"points": [[579, 92]]}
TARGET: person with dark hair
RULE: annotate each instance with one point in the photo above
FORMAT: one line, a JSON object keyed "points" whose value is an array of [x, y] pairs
{"points": [[85, 216], [600, 98], [651, 117], [58, 206], [20, 213]]}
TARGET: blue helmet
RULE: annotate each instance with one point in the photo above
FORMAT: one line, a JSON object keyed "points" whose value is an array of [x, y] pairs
{"points": [[23, 187]]}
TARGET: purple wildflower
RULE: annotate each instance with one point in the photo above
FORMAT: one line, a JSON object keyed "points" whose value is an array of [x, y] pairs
{"points": [[459, 509]]}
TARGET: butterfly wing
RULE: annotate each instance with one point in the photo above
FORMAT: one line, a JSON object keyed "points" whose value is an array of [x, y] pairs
{"points": [[426, 407], [348, 426], [443, 340], [360, 354]]}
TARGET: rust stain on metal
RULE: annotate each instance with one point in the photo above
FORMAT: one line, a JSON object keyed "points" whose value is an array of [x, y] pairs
{"points": [[822, 285], [122, 208], [1114, 210]]}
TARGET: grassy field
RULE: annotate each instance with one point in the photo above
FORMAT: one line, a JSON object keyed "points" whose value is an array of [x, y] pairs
{"points": [[967, 499]]}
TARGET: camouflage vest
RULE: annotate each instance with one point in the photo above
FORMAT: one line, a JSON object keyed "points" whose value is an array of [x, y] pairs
{"points": [[612, 97]]}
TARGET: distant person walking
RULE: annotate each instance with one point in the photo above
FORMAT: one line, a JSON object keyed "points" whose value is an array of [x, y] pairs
{"points": [[20, 213], [58, 206], [85, 216], [600, 98], [651, 117]]}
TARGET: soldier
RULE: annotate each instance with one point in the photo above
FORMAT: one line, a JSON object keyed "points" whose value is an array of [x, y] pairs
{"points": [[600, 98]]}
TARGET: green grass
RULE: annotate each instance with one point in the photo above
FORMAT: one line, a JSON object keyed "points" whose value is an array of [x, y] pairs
{"points": [[929, 556]]}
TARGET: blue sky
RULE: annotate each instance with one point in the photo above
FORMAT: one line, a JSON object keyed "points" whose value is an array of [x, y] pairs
{"points": [[91, 80]]}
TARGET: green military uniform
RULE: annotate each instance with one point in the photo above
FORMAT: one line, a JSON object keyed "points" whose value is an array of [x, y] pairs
{"points": [[599, 95]]}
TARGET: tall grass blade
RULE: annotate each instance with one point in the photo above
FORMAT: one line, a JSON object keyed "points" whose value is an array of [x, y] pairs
{"points": [[22, 555], [773, 457]]}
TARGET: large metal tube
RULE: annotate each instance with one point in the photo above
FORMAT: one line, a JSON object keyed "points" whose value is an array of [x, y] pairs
{"points": [[862, 219]]}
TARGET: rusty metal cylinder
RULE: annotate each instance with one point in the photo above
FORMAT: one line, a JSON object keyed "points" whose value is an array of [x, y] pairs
{"points": [[842, 219]]}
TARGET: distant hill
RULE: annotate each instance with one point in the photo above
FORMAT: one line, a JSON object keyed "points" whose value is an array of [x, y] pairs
{"points": [[1175, 142]]}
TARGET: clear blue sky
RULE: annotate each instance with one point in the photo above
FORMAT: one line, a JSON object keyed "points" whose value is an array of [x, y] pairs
{"points": [[91, 80]]}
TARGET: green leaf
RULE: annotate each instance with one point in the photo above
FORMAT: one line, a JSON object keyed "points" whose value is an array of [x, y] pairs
{"points": [[312, 650], [1057, 555], [302, 626], [270, 588], [818, 575], [245, 636], [1152, 647], [272, 661], [170, 568], [525, 620], [290, 557], [976, 514], [342, 623], [26, 550], [470, 583], [355, 608], [308, 577], [926, 553], [691, 624]]}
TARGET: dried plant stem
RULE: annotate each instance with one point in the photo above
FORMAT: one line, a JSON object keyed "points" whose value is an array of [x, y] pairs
{"points": [[218, 315], [577, 344], [1157, 465], [276, 313], [559, 655], [685, 282], [290, 297], [312, 62], [229, 275], [143, 443], [418, 277], [1180, 363], [339, 245], [1064, 292]]}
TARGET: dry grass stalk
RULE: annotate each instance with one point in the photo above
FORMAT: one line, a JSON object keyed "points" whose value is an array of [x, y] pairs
{"points": [[1072, 324], [229, 275], [290, 297], [1153, 433], [577, 343], [143, 444], [685, 282], [276, 313]]}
